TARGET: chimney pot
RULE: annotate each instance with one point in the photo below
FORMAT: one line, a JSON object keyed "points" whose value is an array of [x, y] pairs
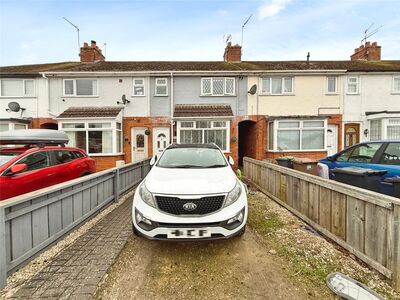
{"points": [[93, 44]]}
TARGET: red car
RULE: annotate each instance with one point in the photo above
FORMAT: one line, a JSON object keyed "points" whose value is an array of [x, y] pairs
{"points": [[24, 170]]}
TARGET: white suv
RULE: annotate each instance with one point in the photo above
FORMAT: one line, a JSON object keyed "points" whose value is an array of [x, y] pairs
{"points": [[190, 193]]}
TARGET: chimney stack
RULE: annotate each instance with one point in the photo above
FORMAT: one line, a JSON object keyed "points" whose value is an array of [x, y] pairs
{"points": [[233, 53], [91, 54], [370, 52]]}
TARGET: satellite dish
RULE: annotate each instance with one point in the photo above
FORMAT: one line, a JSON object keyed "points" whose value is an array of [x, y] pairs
{"points": [[253, 89], [14, 106], [124, 100]]}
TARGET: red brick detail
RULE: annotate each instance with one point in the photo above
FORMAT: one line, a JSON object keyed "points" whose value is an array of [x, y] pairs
{"points": [[44, 123], [106, 162], [233, 53], [91, 54], [149, 123], [312, 155], [368, 51]]}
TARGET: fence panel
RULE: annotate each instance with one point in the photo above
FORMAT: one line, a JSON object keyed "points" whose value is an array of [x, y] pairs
{"points": [[363, 222], [31, 222]]}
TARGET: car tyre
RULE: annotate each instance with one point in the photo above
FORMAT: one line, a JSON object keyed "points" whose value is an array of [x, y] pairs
{"points": [[241, 231], [135, 231]]}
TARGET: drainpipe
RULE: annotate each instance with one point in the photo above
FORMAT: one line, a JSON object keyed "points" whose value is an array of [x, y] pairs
{"points": [[172, 108]]}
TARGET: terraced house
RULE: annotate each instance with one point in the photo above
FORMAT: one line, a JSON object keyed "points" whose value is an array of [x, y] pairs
{"points": [[121, 112]]}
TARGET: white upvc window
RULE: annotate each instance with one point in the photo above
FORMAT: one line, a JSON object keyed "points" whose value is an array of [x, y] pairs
{"points": [[161, 88], [297, 135], [396, 84], [96, 137], [5, 126], [353, 86], [218, 86], [331, 85], [275, 85], [138, 87], [80, 87], [205, 132], [17, 87]]}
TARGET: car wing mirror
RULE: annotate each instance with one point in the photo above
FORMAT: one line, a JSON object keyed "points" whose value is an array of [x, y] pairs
{"points": [[153, 160], [231, 161], [18, 168]]}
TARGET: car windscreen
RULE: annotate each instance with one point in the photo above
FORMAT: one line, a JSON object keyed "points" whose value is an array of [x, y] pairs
{"points": [[5, 157], [192, 158]]}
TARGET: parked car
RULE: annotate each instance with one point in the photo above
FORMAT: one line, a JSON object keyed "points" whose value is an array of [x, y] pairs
{"points": [[376, 155], [191, 192], [26, 169]]}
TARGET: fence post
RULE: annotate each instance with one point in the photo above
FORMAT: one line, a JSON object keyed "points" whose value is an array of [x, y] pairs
{"points": [[3, 260], [116, 185], [396, 247]]}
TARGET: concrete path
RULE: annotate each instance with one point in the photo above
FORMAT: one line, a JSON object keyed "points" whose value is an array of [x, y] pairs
{"points": [[77, 270]]}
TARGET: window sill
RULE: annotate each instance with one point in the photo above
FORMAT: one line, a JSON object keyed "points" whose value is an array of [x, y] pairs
{"points": [[352, 94], [331, 94], [161, 95], [286, 151], [140, 96], [105, 154], [204, 95], [395, 93]]}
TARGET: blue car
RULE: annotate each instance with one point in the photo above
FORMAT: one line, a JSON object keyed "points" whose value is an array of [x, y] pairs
{"points": [[376, 155]]}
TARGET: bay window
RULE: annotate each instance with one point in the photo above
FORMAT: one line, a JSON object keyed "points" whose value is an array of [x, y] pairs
{"points": [[218, 86], [95, 137], [80, 87], [277, 85], [384, 128], [297, 135], [17, 88], [204, 132]]}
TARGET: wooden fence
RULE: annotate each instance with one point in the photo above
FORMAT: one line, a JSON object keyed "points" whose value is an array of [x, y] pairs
{"points": [[365, 223], [31, 222]]}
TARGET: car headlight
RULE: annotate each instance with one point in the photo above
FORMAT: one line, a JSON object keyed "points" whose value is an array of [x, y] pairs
{"points": [[234, 194], [146, 196]]}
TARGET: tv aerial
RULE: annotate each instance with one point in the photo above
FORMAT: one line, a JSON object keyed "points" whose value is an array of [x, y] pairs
{"points": [[244, 24], [14, 107], [370, 32], [77, 31]]}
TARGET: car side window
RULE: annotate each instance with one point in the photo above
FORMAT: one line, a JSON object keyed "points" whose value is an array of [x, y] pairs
{"points": [[344, 156], [391, 156], [36, 161], [78, 154], [64, 156], [364, 153]]}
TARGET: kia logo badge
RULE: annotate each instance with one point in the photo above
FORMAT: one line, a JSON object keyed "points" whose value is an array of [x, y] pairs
{"points": [[189, 206]]}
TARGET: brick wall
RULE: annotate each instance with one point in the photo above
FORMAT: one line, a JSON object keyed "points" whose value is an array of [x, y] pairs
{"points": [[91, 54], [106, 162], [233, 53], [44, 123], [312, 155]]}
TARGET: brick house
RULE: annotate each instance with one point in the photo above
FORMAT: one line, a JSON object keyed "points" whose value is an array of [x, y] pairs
{"points": [[125, 111]]}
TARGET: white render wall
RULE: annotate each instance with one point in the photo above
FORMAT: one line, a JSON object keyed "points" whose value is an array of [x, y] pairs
{"points": [[375, 94], [110, 90]]}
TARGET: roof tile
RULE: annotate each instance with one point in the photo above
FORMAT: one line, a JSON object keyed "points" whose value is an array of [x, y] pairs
{"points": [[202, 110], [90, 112]]}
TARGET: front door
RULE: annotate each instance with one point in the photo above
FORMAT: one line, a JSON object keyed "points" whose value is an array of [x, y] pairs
{"points": [[332, 139], [160, 139], [139, 144], [351, 134]]}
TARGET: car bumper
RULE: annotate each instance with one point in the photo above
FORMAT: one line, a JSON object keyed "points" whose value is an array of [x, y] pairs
{"points": [[215, 223]]}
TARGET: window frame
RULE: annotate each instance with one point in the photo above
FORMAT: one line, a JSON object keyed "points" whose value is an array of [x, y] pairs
{"points": [[335, 92], [138, 85], [75, 89], [224, 93], [300, 128], [113, 128], [203, 129], [156, 84], [270, 79], [24, 80], [393, 85], [11, 125], [357, 83], [385, 124]]}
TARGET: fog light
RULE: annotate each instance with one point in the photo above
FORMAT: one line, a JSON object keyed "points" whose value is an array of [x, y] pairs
{"points": [[140, 218], [238, 218]]}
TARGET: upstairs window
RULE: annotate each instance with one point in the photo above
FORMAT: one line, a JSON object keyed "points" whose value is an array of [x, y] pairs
{"points": [[277, 85], [218, 86], [352, 85], [331, 85], [17, 87], [80, 87], [138, 87], [396, 84], [161, 87]]}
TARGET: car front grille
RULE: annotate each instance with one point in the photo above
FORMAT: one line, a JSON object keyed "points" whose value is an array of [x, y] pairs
{"points": [[204, 205]]}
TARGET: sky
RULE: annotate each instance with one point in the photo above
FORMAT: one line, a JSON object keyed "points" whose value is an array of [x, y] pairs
{"points": [[35, 32]]}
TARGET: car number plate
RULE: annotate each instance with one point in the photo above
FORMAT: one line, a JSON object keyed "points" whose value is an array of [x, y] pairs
{"points": [[188, 233]]}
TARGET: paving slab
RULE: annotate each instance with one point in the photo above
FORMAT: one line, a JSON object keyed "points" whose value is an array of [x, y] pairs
{"points": [[76, 271]]}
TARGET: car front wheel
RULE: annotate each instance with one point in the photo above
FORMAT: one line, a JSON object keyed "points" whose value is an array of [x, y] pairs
{"points": [[241, 231]]}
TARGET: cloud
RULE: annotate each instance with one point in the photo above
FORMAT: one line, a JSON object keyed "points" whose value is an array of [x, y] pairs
{"points": [[222, 12], [272, 8]]}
